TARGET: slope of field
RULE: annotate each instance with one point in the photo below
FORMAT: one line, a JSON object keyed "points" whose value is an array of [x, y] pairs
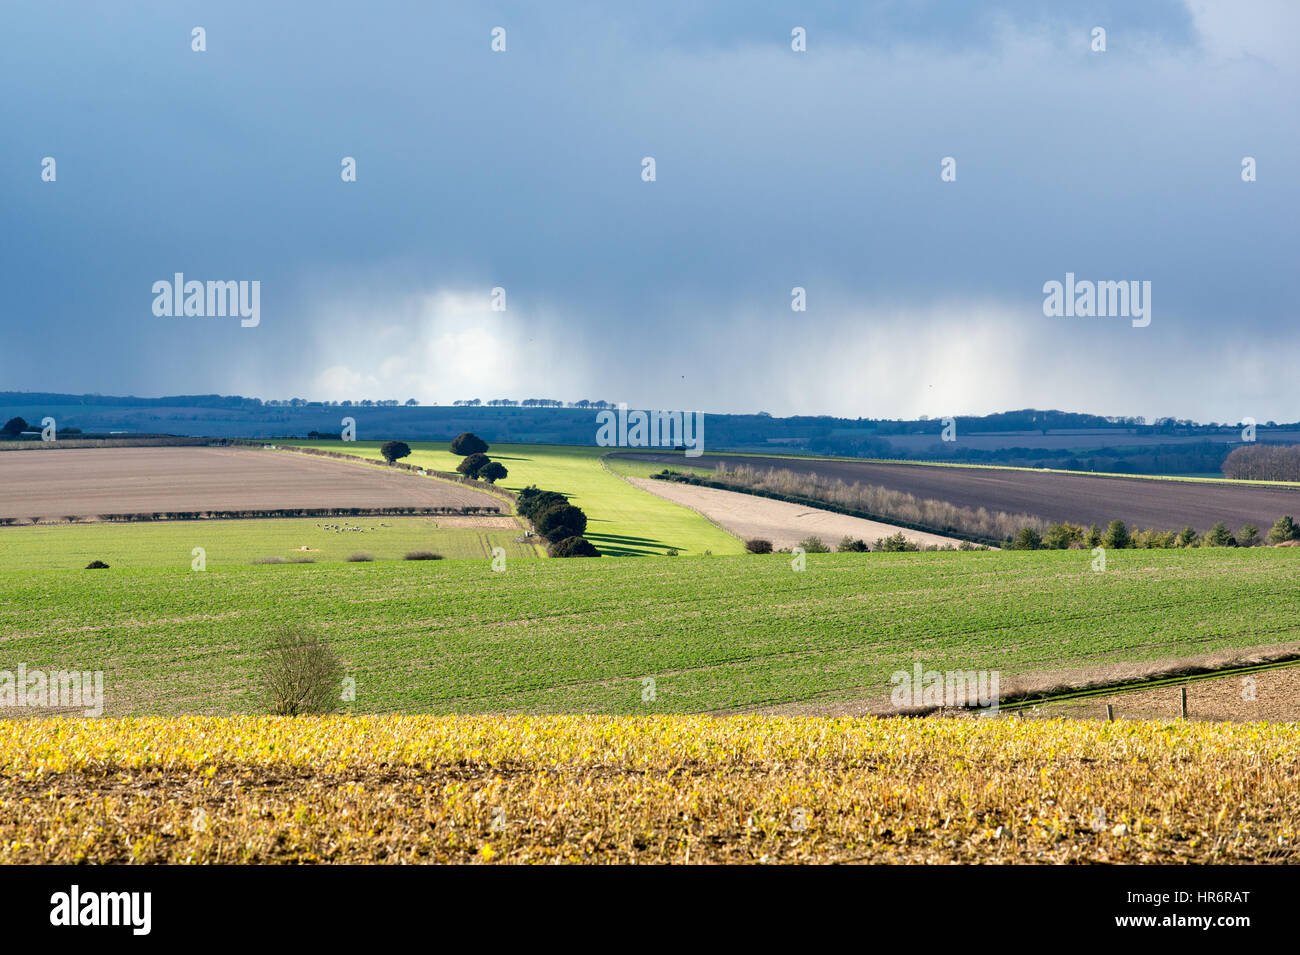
{"points": [[602, 790], [1053, 496], [1270, 694], [58, 483], [748, 516], [239, 542], [720, 633], [622, 520]]}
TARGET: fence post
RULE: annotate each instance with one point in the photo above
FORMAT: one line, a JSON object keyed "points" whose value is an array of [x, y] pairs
{"points": [[1183, 702], [1110, 712]]}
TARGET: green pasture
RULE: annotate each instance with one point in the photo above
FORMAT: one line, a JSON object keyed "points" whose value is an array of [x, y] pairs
{"points": [[714, 634], [622, 519]]}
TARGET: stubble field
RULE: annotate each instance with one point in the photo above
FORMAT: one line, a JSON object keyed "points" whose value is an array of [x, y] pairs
{"points": [[652, 789]]}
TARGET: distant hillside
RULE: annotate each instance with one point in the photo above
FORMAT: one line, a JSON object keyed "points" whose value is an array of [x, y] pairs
{"points": [[1027, 437]]}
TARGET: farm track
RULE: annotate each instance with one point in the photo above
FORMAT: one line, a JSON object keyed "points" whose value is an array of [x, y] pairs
{"points": [[1139, 502]]}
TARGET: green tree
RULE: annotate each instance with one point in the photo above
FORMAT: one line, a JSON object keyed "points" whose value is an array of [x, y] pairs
{"points": [[573, 547], [1060, 536], [1187, 537], [392, 450], [560, 521], [1028, 539], [1219, 536], [473, 464], [15, 426], [532, 501], [468, 443], [1093, 537], [1248, 536], [1284, 530], [492, 472], [1116, 536]]}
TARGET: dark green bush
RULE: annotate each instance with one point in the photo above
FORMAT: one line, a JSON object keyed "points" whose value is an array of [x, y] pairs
{"points": [[575, 546], [468, 443]]}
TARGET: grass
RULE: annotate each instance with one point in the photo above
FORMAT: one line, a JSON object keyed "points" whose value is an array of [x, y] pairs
{"points": [[627, 467], [714, 634], [657, 789], [622, 520], [240, 542]]}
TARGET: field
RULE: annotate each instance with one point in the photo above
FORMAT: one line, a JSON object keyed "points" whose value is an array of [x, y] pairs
{"points": [[676, 789], [1053, 496], [622, 520], [784, 524], [70, 482], [714, 634], [240, 542]]}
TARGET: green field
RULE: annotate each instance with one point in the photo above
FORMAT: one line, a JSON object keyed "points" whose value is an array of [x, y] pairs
{"points": [[171, 543], [622, 520], [716, 634]]}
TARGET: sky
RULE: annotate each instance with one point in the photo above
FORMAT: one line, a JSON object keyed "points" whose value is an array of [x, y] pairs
{"points": [[522, 169]]}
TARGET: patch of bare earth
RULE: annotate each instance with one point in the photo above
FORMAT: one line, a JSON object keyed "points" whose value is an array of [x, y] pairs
{"points": [[88, 482], [784, 524]]}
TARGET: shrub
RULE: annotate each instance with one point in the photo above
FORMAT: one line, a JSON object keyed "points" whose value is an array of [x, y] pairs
{"points": [[473, 464], [1062, 536], [814, 545], [1219, 536], [1187, 537], [1093, 537], [14, 427], [422, 555], [392, 450], [1027, 539], [1152, 538], [360, 558], [852, 545], [1116, 536], [492, 472], [97, 565], [756, 545], [300, 673], [560, 521], [575, 546], [671, 552], [468, 443], [1284, 530], [1248, 536], [894, 543]]}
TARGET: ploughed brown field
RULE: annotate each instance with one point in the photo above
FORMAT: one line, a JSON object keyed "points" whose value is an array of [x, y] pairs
{"points": [[57, 483], [1053, 496]]}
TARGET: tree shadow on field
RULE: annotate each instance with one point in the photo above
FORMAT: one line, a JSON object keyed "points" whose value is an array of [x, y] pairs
{"points": [[621, 545]]}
